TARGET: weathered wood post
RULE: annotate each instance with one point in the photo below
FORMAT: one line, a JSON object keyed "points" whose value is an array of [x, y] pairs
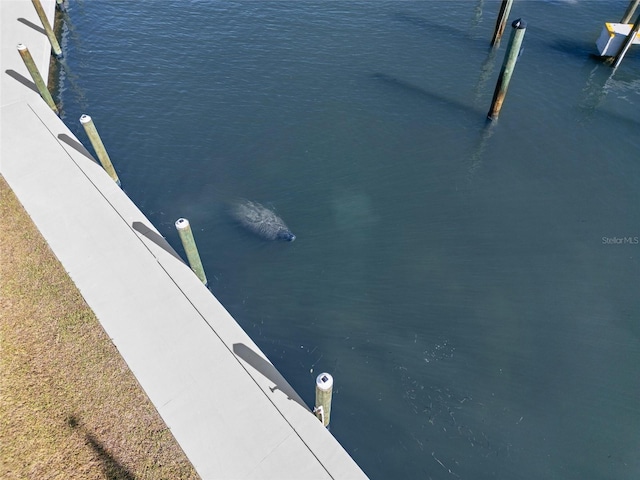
{"points": [[57, 51], [501, 22], [633, 4], [508, 65], [37, 78], [98, 146], [189, 245], [324, 392], [627, 43]]}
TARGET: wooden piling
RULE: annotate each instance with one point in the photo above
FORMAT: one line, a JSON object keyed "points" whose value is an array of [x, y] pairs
{"points": [[37, 78], [55, 46], [98, 146], [633, 4], [627, 43], [501, 22], [508, 65], [324, 392], [189, 245]]}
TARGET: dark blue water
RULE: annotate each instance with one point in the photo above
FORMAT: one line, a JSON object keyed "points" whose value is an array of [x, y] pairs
{"points": [[473, 289]]}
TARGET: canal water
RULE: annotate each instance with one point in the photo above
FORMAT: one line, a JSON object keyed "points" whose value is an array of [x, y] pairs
{"points": [[472, 288]]}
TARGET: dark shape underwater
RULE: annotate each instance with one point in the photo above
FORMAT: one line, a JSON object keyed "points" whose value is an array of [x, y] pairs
{"points": [[261, 221]]}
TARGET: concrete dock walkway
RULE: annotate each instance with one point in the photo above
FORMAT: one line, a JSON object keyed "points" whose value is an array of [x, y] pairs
{"points": [[230, 410]]}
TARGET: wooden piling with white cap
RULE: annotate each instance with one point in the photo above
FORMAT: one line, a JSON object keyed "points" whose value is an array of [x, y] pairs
{"points": [[37, 78], [324, 392], [190, 248], [98, 146]]}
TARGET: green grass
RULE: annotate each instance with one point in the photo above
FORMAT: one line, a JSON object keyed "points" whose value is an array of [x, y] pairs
{"points": [[69, 405]]}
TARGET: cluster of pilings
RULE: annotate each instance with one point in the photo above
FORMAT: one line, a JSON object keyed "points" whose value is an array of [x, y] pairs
{"points": [[324, 381], [515, 42], [519, 28], [182, 224]]}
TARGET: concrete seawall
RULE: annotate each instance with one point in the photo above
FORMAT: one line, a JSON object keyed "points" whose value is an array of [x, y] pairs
{"points": [[230, 410]]}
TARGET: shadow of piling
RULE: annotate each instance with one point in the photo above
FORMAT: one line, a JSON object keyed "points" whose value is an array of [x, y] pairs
{"points": [[113, 470], [269, 371], [23, 80], [77, 146], [429, 28], [433, 98], [30, 24], [159, 240]]}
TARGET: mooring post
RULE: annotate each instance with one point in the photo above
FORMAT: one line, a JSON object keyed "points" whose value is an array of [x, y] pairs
{"points": [[98, 146], [633, 4], [189, 245], [501, 22], [508, 65], [324, 392], [627, 43], [57, 51], [37, 78]]}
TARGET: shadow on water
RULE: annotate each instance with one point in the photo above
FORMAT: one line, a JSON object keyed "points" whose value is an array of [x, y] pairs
{"points": [[37, 28], [23, 80], [580, 50], [269, 371], [156, 238], [438, 29], [113, 470], [611, 117], [415, 90]]}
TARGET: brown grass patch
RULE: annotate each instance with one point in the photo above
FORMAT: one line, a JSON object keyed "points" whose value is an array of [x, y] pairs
{"points": [[69, 406]]}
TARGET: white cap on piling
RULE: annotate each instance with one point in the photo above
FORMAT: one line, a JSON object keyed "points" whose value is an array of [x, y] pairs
{"points": [[85, 118], [324, 382], [182, 223], [22, 46]]}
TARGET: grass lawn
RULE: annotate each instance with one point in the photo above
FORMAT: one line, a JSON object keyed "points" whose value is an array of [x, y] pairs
{"points": [[69, 406]]}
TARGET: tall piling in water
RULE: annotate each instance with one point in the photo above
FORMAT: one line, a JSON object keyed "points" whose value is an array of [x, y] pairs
{"points": [[627, 43], [508, 65], [633, 4], [501, 22], [55, 46], [98, 146], [189, 245], [37, 78]]}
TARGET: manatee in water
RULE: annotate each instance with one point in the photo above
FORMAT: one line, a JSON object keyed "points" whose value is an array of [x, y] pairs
{"points": [[261, 221]]}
